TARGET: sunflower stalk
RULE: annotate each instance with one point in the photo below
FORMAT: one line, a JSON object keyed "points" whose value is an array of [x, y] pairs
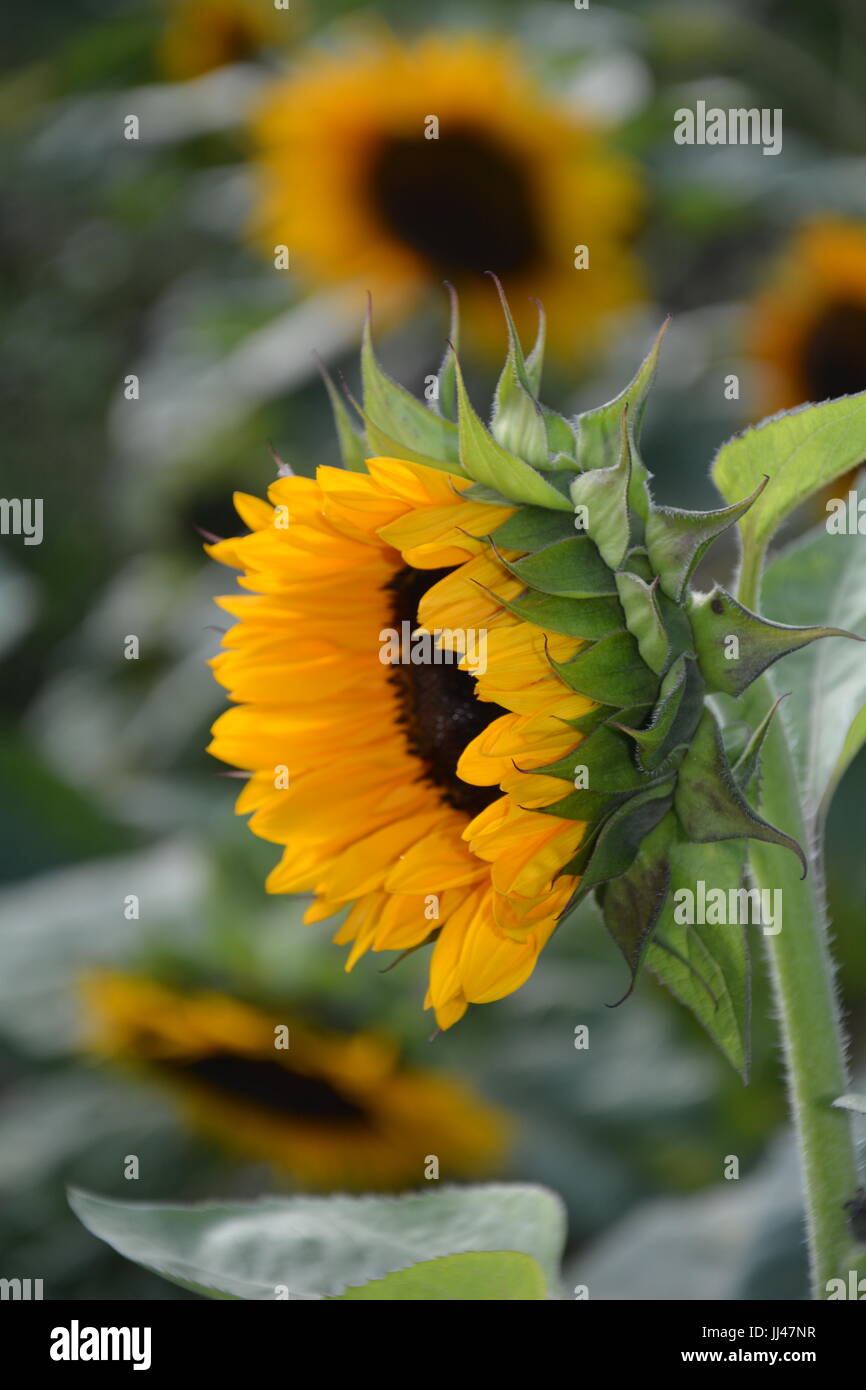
{"points": [[810, 1025]]}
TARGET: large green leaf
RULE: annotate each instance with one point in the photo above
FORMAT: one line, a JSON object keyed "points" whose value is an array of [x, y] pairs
{"points": [[801, 452], [503, 1274], [822, 576], [317, 1247]]}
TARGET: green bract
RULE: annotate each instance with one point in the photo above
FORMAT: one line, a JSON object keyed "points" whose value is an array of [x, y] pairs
{"points": [[664, 789]]}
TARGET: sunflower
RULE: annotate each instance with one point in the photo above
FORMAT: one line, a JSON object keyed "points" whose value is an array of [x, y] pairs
{"points": [[394, 166], [331, 1109], [565, 747], [809, 326], [420, 837], [202, 35]]}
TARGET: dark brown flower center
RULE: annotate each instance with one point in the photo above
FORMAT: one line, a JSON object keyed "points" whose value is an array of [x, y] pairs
{"points": [[264, 1083], [834, 354], [437, 705], [463, 202]]}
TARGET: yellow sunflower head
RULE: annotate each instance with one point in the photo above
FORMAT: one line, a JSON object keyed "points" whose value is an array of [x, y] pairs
{"points": [[202, 35], [329, 1109], [391, 167], [809, 325], [468, 678]]}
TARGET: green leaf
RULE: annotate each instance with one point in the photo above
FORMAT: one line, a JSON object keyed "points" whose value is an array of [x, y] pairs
{"points": [[321, 1246], [487, 462], [716, 618], [823, 578], [802, 451], [503, 1274], [395, 412], [705, 966]]}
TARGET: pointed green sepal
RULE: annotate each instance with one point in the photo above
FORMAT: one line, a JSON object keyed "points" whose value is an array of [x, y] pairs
{"points": [[678, 540], [518, 420], [603, 761], [487, 462], [706, 968], [644, 620], [734, 646], [571, 568], [353, 449], [708, 801], [748, 764], [615, 846], [601, 495], [532, 528], [611, 671], [598, 430], [675, 717], [398, 414], [586, 621], [447, 376], [382, 445], [632, 903]]}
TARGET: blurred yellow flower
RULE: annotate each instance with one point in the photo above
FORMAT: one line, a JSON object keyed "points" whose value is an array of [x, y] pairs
{"points": [[205, 34], [393, 167], [809, 325], [330, 1109]]}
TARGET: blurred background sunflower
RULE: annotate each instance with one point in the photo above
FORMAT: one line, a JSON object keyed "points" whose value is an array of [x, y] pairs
{"points": [[392, 167], [153, 348], [332, 1110], [809, 323]]}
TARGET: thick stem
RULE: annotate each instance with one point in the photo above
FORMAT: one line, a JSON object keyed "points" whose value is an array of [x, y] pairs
{"points": [[802, 975]]}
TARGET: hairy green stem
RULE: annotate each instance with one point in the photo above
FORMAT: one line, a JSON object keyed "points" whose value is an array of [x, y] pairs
{"points": [[802, 975]]}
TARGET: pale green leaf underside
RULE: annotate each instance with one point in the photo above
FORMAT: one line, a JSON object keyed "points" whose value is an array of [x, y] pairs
{"points": [[320, 1246], [801, 452], [822, 576], [504, 1274], [851, 1102]]}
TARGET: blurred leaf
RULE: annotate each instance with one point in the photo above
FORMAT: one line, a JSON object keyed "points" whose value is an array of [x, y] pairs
{"points": [[707, 1246], [504, 1274], [316, 1247], [822, 576]]}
